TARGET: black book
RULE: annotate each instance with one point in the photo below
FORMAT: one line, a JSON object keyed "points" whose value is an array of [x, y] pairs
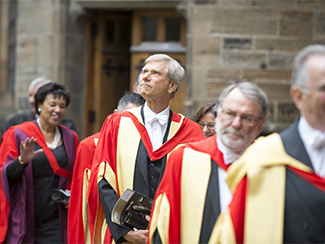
{"points": [[131, 209]]}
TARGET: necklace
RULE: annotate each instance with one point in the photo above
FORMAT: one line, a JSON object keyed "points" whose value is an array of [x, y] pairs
{"points": [[57, 136]]}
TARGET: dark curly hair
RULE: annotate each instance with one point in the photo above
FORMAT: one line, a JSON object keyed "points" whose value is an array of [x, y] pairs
{"points": [[54, 88]]}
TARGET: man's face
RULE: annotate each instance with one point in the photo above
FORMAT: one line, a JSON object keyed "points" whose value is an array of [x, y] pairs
{"points": [[154, 85], [31, 98], [234, 133], [312, 105]]}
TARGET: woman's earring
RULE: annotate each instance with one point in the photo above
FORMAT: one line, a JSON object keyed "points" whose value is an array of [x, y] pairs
{"points": [[39, 110]]}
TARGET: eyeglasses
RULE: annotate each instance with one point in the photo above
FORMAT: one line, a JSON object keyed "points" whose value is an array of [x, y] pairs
{"points": [[209, 125], [246, 119]]}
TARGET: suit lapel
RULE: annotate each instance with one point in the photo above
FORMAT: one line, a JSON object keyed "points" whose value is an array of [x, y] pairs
{"points": [[212, 205], [293, 144], [141, 170]]}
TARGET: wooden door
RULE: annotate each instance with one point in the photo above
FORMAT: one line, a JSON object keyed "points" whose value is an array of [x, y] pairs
{"points": [[113, 65], [108, 74], [161, 31]]}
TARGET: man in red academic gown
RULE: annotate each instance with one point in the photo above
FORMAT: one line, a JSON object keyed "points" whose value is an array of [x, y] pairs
{"points": [[279, 182], [134, 145], [193, 190], [78, 227]]}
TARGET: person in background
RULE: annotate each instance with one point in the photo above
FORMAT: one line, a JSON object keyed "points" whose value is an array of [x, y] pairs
{"points": [[37, 157], [206, 117], [78, 227], [136, 84], [193, 191], [278, 184], [30, 114], [134, 144]]}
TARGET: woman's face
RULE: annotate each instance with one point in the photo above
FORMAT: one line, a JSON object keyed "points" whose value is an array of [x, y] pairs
{"points": [[52, 109], [207, 123]]}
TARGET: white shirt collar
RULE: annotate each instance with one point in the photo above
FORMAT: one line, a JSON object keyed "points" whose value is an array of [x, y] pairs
{"points": [[308, 136], [307, 132], [149, 114], [228, 155]]}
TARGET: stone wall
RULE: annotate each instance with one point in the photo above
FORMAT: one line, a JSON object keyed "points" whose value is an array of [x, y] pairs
{"points": [[50, 43], [251, 40]]}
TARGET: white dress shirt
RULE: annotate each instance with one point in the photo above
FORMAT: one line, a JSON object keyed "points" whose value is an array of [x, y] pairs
{"points": [[156, 125], [316, 153], [224, 191]]}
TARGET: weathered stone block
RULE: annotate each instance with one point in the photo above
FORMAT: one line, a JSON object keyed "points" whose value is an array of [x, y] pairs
{"points": [[257, 75], [46, 47], [75, 111], [205, 1], [23, 103], [74, 45], [27, 44], [220, 73], [310, 4], [295, 23], [200, 29], [197, 83], [287, 112], [319, 24], [237, 43], [281, 61], [276, 91], [206, 51], [26, 57], [30, 8], [249, 22], [203, 13], [272, 110], [21, 86], [34, 24], [282, 45], [243, 60], [214, 89], [23, 70], [75, 78], [259, 4]]}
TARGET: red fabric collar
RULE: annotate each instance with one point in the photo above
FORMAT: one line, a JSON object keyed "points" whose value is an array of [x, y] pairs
{"points": [[210, 146], [184, 134], [32, 130]]}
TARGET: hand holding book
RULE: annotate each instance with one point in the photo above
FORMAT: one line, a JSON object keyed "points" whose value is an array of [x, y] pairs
{"points": [[132, 210]]}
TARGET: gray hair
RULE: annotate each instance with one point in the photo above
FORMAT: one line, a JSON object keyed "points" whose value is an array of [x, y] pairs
{"points": [[38, 81], [300, 75], [175, 72], [250, 90]]}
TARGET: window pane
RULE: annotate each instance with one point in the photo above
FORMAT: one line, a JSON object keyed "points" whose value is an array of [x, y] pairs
{"points": [[173, 27], [149, 29]]}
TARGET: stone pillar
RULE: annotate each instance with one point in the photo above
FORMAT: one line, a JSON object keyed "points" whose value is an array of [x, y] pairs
{"points": [[50, 43]]}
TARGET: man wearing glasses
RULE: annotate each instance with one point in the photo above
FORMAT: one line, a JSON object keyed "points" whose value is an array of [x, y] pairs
{"points": [[193, 190], [279, 182]]}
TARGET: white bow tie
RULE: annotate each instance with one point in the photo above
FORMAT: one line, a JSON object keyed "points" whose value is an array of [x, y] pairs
{"points": [[319, 141], [162, 119]]}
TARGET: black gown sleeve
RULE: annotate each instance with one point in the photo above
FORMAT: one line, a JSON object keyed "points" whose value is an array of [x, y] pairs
{"points": [[14, 171], [108, 198]]}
